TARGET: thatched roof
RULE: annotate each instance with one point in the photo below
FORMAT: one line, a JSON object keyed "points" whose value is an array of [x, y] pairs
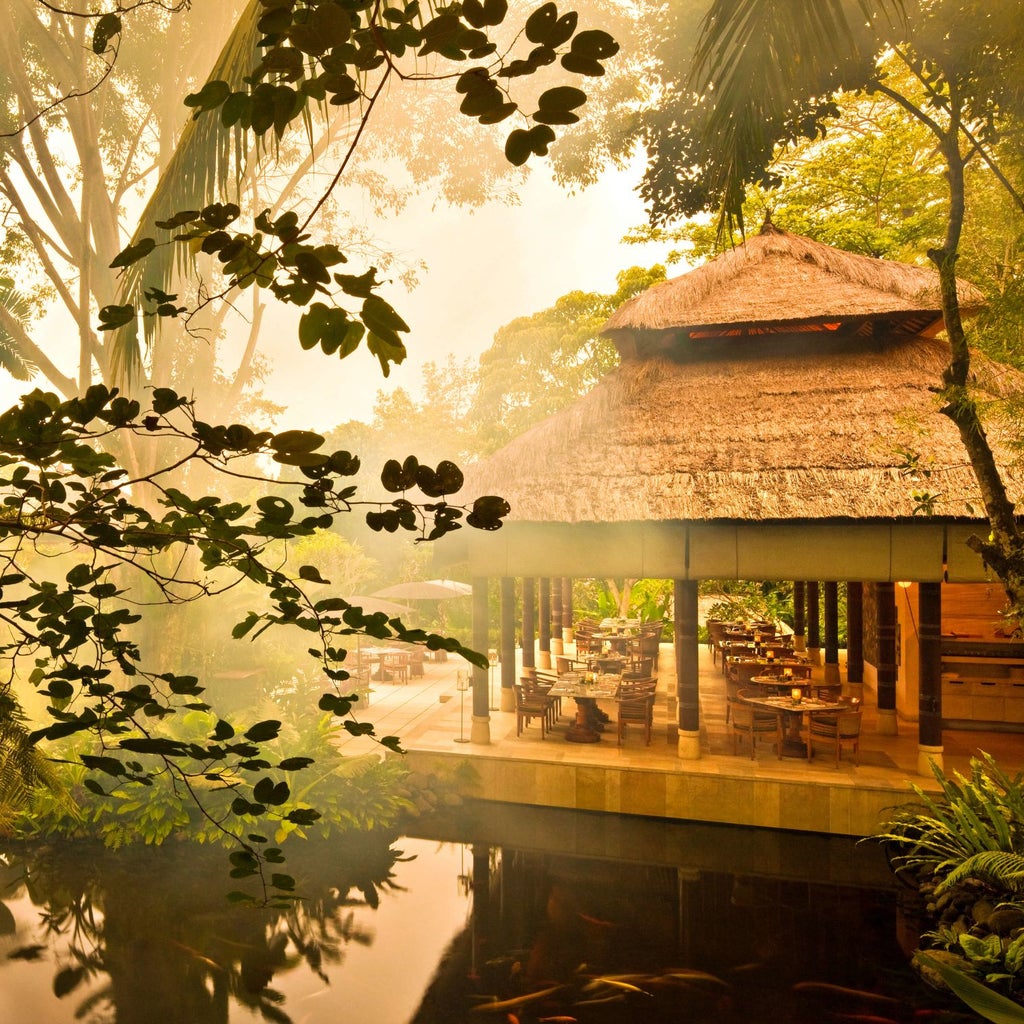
{"points": [[778, 282], [759, 432]]}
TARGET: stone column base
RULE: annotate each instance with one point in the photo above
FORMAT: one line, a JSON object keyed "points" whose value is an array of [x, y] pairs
{"points": [[567, 636], [814, 655], [480, 730], [508, 699], [799, 642], [556, 646], [832, 676], [888, 723], [544, 659], [688, 745], [925, 756]]}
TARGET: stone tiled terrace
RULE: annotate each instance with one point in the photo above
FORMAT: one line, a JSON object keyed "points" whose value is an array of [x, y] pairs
{"points": [[429, 715]]}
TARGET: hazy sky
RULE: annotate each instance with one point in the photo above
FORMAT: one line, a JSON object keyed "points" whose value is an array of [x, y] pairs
{"points": [[484, 268]]}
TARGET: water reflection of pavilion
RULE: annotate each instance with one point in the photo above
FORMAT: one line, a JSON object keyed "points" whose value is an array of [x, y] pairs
{"points": [[667, 921]]}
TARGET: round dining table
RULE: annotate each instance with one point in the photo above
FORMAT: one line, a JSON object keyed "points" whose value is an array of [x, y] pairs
{"points": [[793, 743]]}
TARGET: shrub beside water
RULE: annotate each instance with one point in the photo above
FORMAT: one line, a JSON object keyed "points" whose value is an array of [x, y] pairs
{"points": [[963, 850]]}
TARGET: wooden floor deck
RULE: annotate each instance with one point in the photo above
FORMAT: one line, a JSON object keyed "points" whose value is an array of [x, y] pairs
{"points": [[434, 724]]}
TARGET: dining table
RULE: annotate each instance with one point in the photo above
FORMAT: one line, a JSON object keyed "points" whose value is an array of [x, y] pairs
{"points": [[379, 655], [783, 685], [588, 723], [794, 710]]}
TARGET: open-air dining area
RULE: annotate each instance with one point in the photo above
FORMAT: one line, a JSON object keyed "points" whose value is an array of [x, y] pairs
{"points": [[841, 788]]}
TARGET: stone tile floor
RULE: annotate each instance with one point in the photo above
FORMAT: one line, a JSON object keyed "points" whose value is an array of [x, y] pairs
{"points": [[430, 715]]}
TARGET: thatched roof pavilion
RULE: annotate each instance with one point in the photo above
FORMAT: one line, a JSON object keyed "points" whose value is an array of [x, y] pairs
{"points": [[779, 283], [762, 400]]}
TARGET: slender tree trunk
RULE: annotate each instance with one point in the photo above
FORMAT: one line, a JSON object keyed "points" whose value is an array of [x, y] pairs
{"points": [[1003, 552]]}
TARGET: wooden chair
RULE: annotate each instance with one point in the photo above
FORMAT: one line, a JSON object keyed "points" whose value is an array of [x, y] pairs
{"points": [[746, 720], [528, 707], [635, 702], [535, 686], [641, 668], [650, 642], [834, 730], [417, 660], [732, 694], [395, 664], [831, 693], [742, 672], [586, 642]]}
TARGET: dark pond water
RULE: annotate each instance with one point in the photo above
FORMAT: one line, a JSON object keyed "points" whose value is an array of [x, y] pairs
{"points": [[516, 915]]}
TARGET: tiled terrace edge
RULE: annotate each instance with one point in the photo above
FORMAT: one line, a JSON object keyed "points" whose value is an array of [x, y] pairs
{"points": [[707, 793]]}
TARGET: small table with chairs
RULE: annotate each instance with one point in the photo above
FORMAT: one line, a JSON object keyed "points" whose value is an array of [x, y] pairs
{"points": [[833, 721], [586, 728]]}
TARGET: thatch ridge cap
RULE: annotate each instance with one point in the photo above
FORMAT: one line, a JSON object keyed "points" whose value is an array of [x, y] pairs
{"points": [[670, 303]]}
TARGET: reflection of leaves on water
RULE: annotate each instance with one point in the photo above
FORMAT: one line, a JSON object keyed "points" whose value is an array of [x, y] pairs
{"points": [[116, 935], [32, 952]]}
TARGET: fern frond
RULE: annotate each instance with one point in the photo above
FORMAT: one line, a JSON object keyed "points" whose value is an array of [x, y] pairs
{"points": [[995, 867]]}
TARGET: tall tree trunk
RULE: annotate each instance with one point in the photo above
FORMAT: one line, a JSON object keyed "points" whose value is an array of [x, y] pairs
{"points": [[1003, 551]]}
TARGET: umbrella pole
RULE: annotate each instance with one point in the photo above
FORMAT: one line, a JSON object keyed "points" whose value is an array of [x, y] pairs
{"points": [[462, 685]]}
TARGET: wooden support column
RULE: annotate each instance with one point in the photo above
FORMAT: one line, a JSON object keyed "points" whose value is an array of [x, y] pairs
{"points": [[799, 615], [529, 628], [544, 626], [887, 668], [929, 638], [507, 646], [831, 595], [567, 633], [557, 647], [813, 622], [687, 668], [480, 730], [854, 635]]}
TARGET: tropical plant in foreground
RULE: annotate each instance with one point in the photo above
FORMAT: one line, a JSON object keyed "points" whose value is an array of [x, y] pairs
{"points": [[964, 850], [977, 813]]}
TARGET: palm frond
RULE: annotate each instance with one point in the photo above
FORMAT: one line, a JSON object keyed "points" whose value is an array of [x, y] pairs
{"points": [[19, 307], [762, 67], [205, 160]]}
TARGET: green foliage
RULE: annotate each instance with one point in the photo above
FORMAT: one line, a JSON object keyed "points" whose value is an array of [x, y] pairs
{"points": [[976, 813], [541, 363], [998, 868], [967, 848], [114, 542], [18, 307], [302, 768], [747, 599], [978, 996]]}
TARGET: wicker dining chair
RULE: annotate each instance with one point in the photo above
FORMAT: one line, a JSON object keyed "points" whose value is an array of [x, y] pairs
{"points": [[833, 730], [530, 705], [635, 702], [746, 720]]}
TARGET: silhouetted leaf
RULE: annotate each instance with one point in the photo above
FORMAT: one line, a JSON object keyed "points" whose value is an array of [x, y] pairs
{"points": [[263, 731]]}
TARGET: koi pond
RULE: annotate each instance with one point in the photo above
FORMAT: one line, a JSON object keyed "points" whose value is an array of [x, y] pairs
{"points": [[516, 915]]}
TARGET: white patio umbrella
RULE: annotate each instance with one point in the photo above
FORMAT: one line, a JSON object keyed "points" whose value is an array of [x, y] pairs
{"points": [[426, 590], [371, 604]]}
